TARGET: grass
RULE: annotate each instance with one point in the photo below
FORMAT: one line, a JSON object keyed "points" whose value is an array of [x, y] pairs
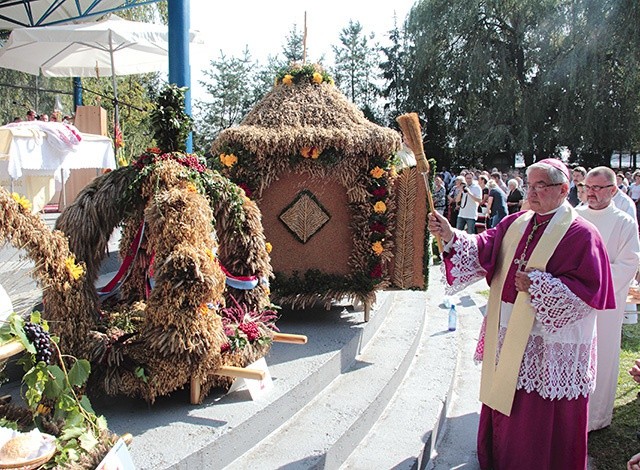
{"points": [[610, 448]]}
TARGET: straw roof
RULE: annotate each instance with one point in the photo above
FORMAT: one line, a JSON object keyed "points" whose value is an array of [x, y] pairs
{"points": [[294, 116]]}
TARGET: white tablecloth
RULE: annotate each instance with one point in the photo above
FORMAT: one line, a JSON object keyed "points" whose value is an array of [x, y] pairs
{"points": [[28, 158]]}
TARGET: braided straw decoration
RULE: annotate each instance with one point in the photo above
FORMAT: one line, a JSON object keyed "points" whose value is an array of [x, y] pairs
{"points": [[406, 198]]}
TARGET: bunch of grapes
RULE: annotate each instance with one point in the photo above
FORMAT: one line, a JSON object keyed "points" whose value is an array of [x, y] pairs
{"points": [[41, 340]]}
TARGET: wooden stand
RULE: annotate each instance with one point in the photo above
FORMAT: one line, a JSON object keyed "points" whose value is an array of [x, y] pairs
{"points": [[241, 372], [10, 349]]}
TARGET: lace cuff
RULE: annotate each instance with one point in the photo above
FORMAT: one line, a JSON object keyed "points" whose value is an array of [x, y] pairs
{"points": [[479, 353], [462, 267], [555, 305]]}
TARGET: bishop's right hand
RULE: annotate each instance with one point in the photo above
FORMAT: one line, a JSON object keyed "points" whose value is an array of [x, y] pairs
{"points": [[439, 225]]}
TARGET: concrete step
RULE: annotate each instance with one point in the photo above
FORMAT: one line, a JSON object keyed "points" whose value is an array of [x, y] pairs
{"points": [[398, 438], [325, 432], [174, 434], [455, 447], [406, 434]]}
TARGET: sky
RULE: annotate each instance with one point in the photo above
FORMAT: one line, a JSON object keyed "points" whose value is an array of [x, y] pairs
{"points": [[261, 25]]}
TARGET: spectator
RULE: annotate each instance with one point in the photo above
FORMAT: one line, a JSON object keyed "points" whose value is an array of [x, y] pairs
{"points": [[634, 191], [469, 201], [578, 175], [515, 196], [496, 204], [454, 198], [439, 195], [31, 115], [497, 177]]}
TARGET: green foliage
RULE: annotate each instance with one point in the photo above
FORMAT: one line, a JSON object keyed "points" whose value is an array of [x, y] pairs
{"points": [[304, 73], [232, 88], [56, 386], [171, 125], [355, 66]]}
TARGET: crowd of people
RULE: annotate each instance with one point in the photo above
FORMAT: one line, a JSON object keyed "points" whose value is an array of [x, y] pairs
{"points": [[559, 249], [56, 116]]}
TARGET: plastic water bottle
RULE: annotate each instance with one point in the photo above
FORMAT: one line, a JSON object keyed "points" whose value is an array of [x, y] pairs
{"points": [[453, 318]]}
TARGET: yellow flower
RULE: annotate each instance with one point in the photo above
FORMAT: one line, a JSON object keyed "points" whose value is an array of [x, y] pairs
{"points": [[75, 270], [268, 247], [209, 254], [331, 82], [317, 77], [192, 188], [380, 207], [122, 161], [228, 160], [203, 309], [287, 79], [23, 201], [377, 248], [393, 172], [377, 172]]}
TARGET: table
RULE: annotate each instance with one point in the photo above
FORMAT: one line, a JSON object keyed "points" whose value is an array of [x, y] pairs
{"points": [[33, 161]]}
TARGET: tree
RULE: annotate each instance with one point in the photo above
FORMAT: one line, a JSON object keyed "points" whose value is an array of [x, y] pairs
{"points": [[529, 76], [231, 94], [355, 65], [394, 68]]}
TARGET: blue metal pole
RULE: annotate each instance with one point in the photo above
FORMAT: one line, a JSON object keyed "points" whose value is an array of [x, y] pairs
{"points": [[179, 63], [77, 92]]}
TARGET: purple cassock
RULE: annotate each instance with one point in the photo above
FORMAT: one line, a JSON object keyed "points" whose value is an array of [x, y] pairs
{"points": [[547, 427]]}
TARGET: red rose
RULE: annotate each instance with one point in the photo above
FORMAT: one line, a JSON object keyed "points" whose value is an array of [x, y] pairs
{"points": [[376, 272]]}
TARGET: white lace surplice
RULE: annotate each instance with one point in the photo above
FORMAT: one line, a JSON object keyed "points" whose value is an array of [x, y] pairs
{"points": [[559, 360]]}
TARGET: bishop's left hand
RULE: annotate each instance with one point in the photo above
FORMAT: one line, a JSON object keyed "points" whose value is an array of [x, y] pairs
{"points": [[522, 281]]}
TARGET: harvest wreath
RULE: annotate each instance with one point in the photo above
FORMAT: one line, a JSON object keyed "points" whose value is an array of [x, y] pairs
{"points": [[161, 323]]}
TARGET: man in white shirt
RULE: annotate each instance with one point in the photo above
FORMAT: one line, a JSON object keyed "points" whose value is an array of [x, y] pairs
{"points": [[620, 234], [469, 202], [625, 204]]}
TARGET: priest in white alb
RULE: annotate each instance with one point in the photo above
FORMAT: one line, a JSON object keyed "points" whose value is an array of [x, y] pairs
{"points": [[620, 234], [549, 274]]}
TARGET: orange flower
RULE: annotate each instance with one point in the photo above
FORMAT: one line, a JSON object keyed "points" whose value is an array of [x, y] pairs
{"points": [[228, 160], [310, 152], [317, 78], [380, 207], [287, 79], [268, 247], [377, 172], [192, 188], [377, 248]]}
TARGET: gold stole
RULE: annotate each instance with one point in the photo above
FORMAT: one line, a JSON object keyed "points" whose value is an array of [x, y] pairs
{"points": [[498, 383]]}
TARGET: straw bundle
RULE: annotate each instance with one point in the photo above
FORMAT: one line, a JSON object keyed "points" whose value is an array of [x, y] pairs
{"points": [[410, 125]]}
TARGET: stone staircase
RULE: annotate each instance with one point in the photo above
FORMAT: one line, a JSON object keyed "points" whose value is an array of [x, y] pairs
{"points": [[399, 391], [356, 396]]}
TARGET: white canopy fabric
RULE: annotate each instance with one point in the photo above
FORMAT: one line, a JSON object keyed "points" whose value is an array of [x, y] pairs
{"points": [[104, 48], [17, 13], [109, 47]]}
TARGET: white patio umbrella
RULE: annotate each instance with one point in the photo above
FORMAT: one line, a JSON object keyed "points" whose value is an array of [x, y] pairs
{"points": [[109, 47]]}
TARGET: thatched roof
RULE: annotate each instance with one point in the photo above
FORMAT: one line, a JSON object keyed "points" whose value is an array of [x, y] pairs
{"points": [[294, 116]]}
